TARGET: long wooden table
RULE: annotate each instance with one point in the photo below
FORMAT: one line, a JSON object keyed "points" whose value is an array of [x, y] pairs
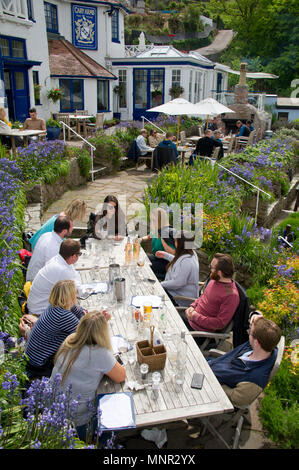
{"points": [[171, 405]]}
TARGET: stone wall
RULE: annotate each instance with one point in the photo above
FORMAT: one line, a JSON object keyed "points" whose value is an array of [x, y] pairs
{"points": [[45, 194]]}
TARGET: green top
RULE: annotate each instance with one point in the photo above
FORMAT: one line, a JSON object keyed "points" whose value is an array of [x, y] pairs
{"points": [[157, 244]]}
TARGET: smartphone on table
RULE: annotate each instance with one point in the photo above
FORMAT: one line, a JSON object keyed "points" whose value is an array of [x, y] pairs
{"points": [[197, 381]]}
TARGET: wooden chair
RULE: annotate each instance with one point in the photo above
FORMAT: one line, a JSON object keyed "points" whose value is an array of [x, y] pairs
{"points": [[146, 157], [183, 137], [251, 137], [231, 145], [258, 135], [81, 125], [82, 112], [215, 153], [241, 412], [65, 117], [100, 120], [237, 326]]}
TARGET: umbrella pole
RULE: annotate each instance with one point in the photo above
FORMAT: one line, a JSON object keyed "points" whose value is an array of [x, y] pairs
{"points": [[178, 132], [207, 122]]}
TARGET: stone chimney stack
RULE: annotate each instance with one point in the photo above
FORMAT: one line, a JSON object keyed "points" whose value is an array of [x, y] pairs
{"points": [[241, 90]]}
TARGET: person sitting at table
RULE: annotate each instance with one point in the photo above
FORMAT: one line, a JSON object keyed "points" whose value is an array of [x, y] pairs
{"points": [[34, 123], [217, 136], [212, 125], [243, 130], [141, 142], [182, 272], [215, 308], [161, 236], [205, 146], [5, 127], [48, 246], [83, 359], [58, 268], [60, 319], [244, 372], [110, 222], [75, 210], [249, 124], [169, 143], [155, 138]]}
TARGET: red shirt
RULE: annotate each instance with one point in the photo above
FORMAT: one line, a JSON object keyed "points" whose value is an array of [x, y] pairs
{"points": [[216, 307]]}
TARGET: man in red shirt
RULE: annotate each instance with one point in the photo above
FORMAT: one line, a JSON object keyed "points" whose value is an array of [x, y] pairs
{"points": [[215, 308]]}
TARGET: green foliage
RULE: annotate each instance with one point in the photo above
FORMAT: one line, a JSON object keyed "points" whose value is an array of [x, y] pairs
{"points": [[53, 123], [279, 410], [55, 171], [83, 158], [108, 151]]}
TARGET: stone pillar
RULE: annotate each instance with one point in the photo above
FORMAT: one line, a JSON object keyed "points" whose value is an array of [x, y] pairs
{"points": [[241, 90]]}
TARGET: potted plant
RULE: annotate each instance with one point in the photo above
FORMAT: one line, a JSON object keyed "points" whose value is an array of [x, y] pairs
{"points": [[37, 89], [54, 94], [176, 91], [53, 129]]}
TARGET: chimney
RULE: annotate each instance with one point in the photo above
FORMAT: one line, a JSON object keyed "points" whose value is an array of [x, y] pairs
{"points": [[241, 90]]}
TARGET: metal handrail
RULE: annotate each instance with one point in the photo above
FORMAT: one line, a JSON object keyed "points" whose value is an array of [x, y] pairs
{"points": [[92, 147], [144, 118], [248, 182]]}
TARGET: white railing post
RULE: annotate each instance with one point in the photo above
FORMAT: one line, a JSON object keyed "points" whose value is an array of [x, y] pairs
{"points": [[92, 147], [248, 182], [257, 206]]}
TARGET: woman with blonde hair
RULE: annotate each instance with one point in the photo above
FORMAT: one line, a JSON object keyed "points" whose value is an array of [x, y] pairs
{"points": [[59, 319], [75, 210], [82, 360]]}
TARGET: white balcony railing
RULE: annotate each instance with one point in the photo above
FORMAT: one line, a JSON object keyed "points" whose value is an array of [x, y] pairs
{"points": [[227, 98], [14, 9], [133, 50]]}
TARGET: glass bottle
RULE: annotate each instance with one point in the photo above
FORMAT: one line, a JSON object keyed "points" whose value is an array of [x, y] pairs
{"points": [[182, 350], [136, 249], [128, 251]]}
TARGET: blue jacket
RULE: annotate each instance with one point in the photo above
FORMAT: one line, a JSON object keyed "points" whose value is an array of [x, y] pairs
{"points": [[167, 144], [230, 370]]}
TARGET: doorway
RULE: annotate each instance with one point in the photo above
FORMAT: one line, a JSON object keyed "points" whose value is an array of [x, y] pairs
{"points": [[148, 86], [17, 93]]}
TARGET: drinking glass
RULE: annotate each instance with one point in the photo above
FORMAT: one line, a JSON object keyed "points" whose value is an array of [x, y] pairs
{"points": [[147, 313], [132, 356]]}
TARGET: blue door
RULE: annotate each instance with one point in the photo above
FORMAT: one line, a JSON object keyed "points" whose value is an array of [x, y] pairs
{"points": [[17, 91], [148, 86]]}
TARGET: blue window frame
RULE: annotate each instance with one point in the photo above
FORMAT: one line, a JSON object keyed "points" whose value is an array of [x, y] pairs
{"points": [[51, 17], [115, 26], [30, 10], [13, 47], [73, 94], [102, 95], [35, 76]]}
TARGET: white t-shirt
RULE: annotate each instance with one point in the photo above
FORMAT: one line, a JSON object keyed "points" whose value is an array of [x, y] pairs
{"points": [[85, 375], [140, 140], [56, 269], [47, 246]]}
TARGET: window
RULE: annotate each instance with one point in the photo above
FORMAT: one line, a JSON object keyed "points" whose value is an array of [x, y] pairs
{"points": [[197, 86], [51, 17], [36, 86], [190, 85], [72, 95], [115, 26], [122, 80], [176, 78], [283, 116], [102, 95], [30, 10], [11, 47]]}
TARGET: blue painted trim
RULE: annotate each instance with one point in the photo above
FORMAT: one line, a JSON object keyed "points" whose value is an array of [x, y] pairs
{"points": [[115, 18], [72, 108], [94, 46], [104, 110], [14, 38], [83, 77], [119, 5], [148, 94], [53, 7], [181, 63], [30, 11], [14, 62]]}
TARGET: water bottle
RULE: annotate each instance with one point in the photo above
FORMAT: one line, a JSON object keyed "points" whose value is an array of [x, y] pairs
{"points": [[182, 351]]}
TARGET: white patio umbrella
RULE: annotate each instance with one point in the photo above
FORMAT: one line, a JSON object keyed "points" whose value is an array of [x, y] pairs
{"points": [[209, 107], [176, 107]]}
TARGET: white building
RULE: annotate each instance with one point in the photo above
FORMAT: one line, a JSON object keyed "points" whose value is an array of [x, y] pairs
{"points": [[59, 43], [149, 72]]}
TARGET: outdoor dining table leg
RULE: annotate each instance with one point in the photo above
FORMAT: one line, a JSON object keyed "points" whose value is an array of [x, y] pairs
{"points": [[13, 143]]}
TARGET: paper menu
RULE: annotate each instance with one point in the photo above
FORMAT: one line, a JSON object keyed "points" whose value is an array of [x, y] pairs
{"points": [[117, 411], [139, 300]]}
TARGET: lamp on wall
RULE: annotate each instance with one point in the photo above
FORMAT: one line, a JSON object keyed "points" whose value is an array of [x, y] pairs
{"points": [[111, 11]]}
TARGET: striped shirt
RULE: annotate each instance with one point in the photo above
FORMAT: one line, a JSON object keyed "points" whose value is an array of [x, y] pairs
{"points": [[49, 332]]}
